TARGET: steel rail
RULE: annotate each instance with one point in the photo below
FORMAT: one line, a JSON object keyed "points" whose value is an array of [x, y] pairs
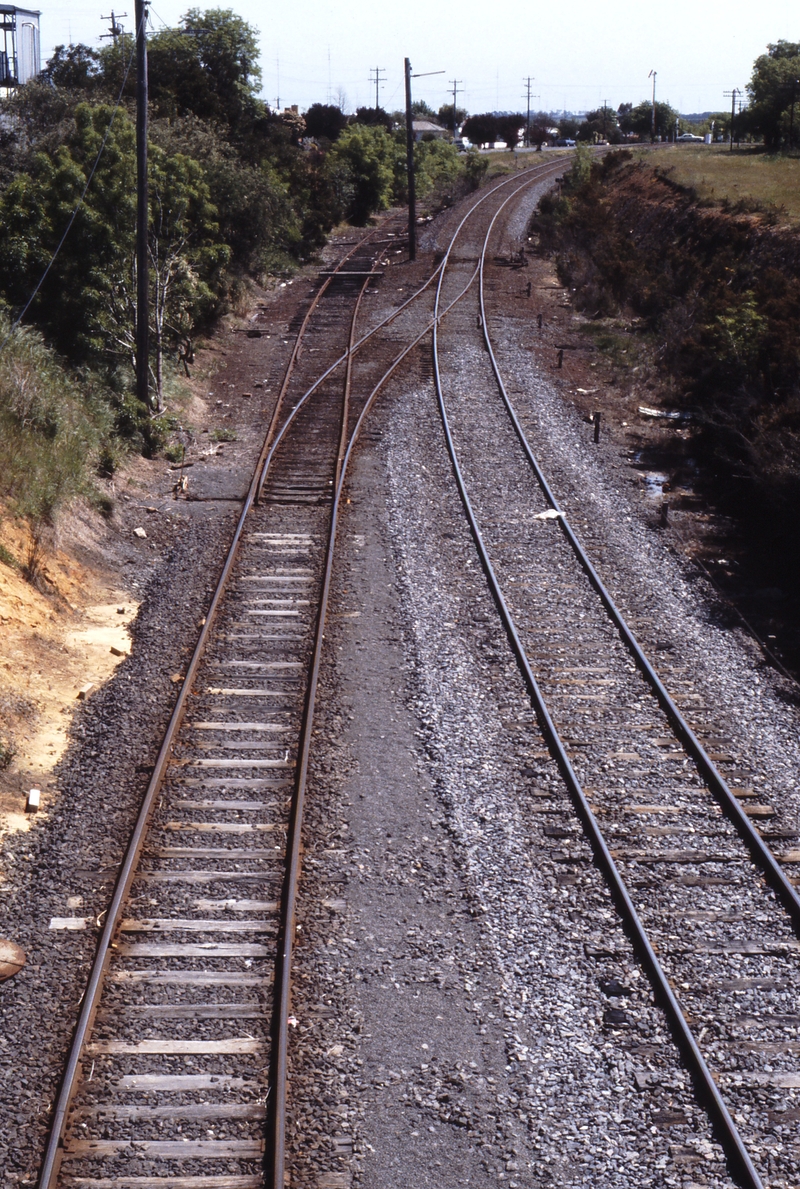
{"points": [[732, 1143], [761, 853], [276, 1161], [91, 997], [301, 333], [279, 1056], [545, 168]]}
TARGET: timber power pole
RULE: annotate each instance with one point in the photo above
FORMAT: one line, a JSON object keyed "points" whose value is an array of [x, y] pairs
{"points": [[412, 198], [142, 207], [652, 75], [116, 29], [734, 95], [456, 83], [377, 80], [528, 81]]}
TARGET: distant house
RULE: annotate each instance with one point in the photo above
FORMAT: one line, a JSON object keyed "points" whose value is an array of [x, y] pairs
{"points": [[427, 130]]}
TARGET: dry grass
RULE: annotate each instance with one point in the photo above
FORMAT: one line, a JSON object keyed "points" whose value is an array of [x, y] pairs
{"points": [[716, 174]]}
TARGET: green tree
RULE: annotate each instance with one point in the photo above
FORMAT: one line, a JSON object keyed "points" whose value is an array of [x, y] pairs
{"points": [[420, 110], [362, 164], [325, 121], [186, 261], [600, 125], [774, 91], [481, 130], [87, 302], [437, 165], [639, 120], [207, 66], [35, 210], [445, 116], [74, 68], [511, 129], [372, 116]]}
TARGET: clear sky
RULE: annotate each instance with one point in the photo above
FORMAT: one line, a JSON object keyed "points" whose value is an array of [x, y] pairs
{"points": [[578, 55]]}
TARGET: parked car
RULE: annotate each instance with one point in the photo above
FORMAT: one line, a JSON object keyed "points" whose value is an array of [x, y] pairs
{"points": [[565, 142], [686, 137]]}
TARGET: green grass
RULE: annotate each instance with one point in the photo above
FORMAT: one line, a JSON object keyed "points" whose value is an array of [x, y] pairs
{"points": [[719, 175]]}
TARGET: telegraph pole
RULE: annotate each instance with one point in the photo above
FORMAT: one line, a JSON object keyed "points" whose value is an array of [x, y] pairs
{"points": [[528, 82], [652, 75], [115, 28], [733, 94], [412, 198], [456, 82], [377, 80], [142, 210]]}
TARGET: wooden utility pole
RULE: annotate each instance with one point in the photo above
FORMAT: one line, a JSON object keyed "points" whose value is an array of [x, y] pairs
{"points": [[142, 211], [456, 83], [377, 80], [733, 94], [412, 197], [528, 82], [652, 75], [116, 29]]}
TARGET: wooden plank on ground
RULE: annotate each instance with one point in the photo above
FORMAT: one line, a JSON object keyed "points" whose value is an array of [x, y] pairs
{"points": [[178, 1082], [271, 727], [213, 852], [198, 876], [220, 827], [209, 949], [191, 1149], [226, 1182], [192, 925], [192, 978], [186, 1011], [189, 1110], [233, 1044]]}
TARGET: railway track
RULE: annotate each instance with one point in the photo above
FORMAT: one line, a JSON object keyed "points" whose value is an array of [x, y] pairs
{"points": [[169, 1074], [177, 1072], [669, 808]]}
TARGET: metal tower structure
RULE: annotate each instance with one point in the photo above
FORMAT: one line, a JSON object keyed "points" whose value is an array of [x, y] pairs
{"points": [[19, 46]]}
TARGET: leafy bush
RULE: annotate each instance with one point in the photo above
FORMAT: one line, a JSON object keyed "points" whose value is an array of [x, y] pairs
{"points": [[362, 164]]}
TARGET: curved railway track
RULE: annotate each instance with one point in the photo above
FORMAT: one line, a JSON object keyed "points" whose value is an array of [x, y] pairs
{"points": [[692, 876], [180, 1050]]}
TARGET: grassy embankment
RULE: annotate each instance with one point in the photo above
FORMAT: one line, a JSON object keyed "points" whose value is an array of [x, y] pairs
{"points": [[745, 176], [689, 260]]}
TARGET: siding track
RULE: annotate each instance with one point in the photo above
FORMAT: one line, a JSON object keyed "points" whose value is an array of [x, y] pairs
{"points": [[675, 839]]}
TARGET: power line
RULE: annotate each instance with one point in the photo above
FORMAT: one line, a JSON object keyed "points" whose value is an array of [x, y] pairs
{"points": [[79, 203]]}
